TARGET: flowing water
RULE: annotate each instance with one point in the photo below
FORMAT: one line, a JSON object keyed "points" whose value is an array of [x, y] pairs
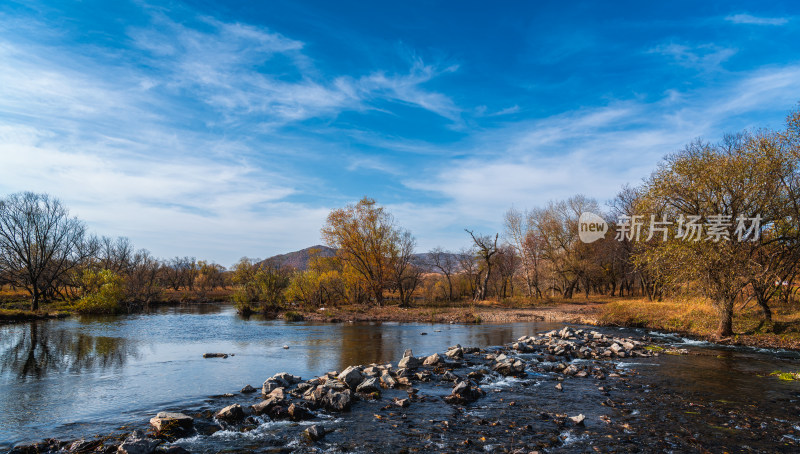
{"points": [[83, 376]]}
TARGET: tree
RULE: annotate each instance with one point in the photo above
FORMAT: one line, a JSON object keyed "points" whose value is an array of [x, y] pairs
{"points": [[732, 179], [40, 244], [485, 248], [405, 273], [365, 237], [447, 263], [519, 234]]}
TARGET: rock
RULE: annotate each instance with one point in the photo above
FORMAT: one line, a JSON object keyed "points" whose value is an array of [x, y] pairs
{"points": [[578, 420], [137, 443], [403, 381], [510, 367], [423, 376], [314, 433], [277, 394], [351, 377], [559, 387], [264, 406], [298, 413], [338, 401], [369, 385], [388, 381], [402, 402], [449, 376], [231, 413], [248, 389], [286, 347], [464, 393], [215, 355], [372, 371], [409, 362], [83, 445], [432, 360], [172, 423], [289, 379], [570, 370], [455, 353], [270, 385], [407, 353]]}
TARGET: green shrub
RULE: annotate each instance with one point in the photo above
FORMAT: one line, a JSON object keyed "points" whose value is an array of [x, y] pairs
{"points": [[292, 316], [103, 293]]}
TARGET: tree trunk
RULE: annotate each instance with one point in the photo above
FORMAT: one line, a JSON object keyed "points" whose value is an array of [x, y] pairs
{"points": [[35, 299], [725, 328]]}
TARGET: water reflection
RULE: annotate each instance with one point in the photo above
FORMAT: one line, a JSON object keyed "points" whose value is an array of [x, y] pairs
{"points": [[31, 351]]}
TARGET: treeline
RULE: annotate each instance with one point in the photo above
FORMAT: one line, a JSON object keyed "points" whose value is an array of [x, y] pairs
{"points": [[718, 221], [52, 256]]}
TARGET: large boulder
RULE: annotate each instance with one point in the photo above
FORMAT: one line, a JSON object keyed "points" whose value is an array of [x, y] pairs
{"points": [[455, 353], [510, 367], [231, 413], [277, 393], [167, 423], [351, 376]]}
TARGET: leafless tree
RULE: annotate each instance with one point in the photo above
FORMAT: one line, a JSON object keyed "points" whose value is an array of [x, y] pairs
{"points": [[447, 263], [40, 243], [485, 248]]}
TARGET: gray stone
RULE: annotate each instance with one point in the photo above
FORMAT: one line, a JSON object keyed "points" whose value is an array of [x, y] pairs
{"points": [[338, 401], [369, 385], [351, 377], [248, 389], [388, 380], [432, 360], [455, 353], [409, 362], [231, 413]]}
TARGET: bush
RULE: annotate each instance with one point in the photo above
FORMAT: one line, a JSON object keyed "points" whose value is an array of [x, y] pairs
{"points": [[292, 316], [103, 293]]}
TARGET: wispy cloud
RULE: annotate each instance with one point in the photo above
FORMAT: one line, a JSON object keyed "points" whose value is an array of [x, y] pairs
{"points": [[756, 20], [706, 57]]}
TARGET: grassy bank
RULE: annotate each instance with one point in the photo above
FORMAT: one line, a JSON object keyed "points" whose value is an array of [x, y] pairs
{"points": [[698, 318]]}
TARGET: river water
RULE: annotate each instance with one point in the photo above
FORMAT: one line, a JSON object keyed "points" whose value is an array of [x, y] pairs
{"points": [[83, 376]]}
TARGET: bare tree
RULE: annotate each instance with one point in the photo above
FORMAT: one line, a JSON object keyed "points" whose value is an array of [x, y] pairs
{"points": [[485, 247], [40, 243], [447, 263], [405, 273]]}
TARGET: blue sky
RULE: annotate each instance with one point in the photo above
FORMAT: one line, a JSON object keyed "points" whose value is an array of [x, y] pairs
{"points": [[231, 128]]}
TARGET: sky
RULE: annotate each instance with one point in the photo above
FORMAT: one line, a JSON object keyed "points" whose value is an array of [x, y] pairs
{"points": [[223, 129]]}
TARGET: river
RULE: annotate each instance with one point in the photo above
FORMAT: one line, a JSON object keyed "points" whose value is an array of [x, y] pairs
{"points": [[83, 376]]}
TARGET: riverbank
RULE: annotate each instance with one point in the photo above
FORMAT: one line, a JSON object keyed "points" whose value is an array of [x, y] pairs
{"points": [[697, 318]]}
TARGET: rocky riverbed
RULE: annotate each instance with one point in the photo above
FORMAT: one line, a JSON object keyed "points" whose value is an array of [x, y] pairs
{"points": [[567, 390]]}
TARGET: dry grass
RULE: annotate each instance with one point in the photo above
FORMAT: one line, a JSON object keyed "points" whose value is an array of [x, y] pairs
{"points": [[697, 317]]}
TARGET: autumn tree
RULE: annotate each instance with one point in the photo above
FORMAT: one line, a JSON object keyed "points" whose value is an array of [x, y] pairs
{"points": [[40, 244], [728, 185], [405, 273], [367, 240], [485, 248]]}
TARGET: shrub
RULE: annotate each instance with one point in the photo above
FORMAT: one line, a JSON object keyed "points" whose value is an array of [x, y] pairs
{"points": [[103, 293], [292, 316]]}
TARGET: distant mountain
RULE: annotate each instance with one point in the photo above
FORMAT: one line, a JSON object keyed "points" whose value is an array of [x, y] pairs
{"points": [[299, 259]]}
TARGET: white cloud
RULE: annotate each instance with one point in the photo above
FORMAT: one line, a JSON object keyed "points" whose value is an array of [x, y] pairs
{"points": [[755, 20], [706, 57]]}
